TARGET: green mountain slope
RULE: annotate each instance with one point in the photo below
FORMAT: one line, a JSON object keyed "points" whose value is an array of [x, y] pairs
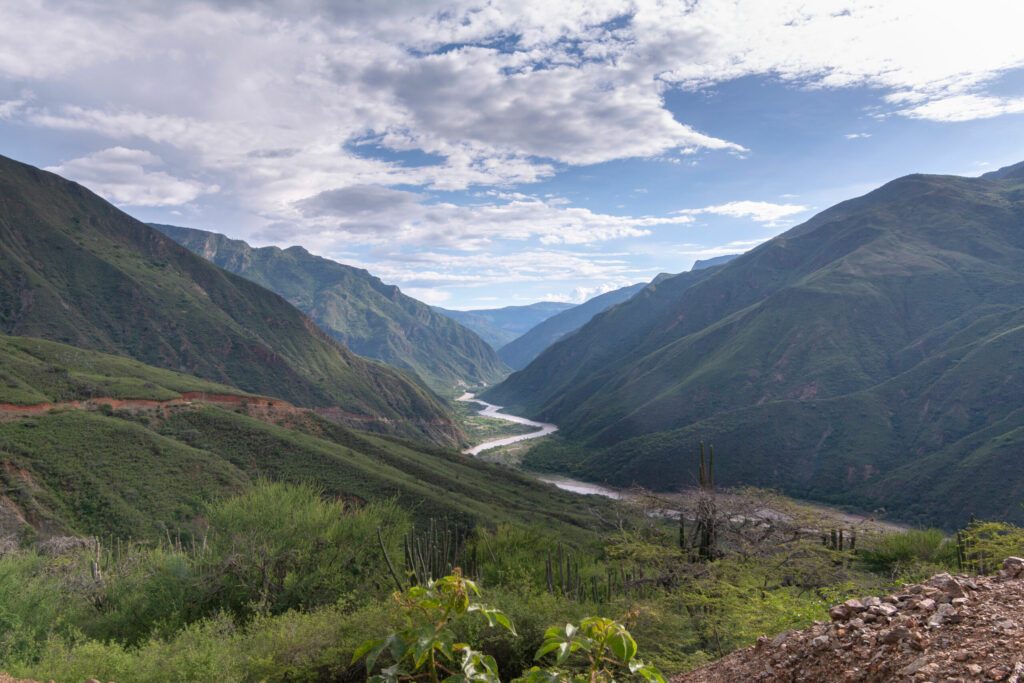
{"points": [[138, 469], [75, 269], [519, 352], [870, 356], [499, 326], [371, 318]]}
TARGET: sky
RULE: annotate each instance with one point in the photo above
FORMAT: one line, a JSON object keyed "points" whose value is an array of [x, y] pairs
{"points": [[480, 154]]}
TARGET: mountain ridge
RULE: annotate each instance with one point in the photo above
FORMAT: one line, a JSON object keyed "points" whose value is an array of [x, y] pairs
{"points": [[518, 353], [499, 326], [815, 356], [357, 309], [77, 270]]}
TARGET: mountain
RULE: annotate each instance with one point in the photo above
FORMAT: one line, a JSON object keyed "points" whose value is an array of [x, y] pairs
{"points": [[711, 262], [97, 444], [518, 353], [871, 356], [75, 269], [499, 326], [351, 305]]}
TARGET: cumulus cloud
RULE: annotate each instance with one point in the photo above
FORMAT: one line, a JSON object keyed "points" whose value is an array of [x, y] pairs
{"points": [[120, 174], [377, 214], [580, 294], [436, 269], [762, 212], [494, 95], [965, 108]]}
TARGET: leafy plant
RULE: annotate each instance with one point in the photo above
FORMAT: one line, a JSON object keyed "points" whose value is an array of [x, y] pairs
{"points": [[426, 649], [598, 650]]}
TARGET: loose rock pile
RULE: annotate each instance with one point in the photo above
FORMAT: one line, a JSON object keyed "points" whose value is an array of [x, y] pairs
{"points": [[948, 629]]}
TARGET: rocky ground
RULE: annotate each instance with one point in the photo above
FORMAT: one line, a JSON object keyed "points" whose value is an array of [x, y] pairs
{"points": [[948, 629]]}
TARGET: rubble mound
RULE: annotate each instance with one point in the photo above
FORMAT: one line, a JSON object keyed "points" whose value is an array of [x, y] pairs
{"points": [[950, 628]]}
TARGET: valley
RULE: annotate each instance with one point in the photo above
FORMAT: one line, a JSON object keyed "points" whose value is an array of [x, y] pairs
{"points": [[537, 429], [478, 341]]}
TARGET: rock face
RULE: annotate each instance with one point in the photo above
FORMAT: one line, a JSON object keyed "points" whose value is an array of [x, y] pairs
{"points": [[950, 628]]}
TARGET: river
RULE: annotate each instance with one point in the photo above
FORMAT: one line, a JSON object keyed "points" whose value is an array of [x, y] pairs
{"points": [[543, 429], [491, 410]]}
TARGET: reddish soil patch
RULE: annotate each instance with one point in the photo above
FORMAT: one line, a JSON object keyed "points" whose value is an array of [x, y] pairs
{"points": [[946, 629]]}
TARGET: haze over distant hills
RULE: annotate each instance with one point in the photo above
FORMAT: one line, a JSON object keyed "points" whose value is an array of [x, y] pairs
{"points": [[499, 326], [873, 355], [518, 353], [521, 351], [75, 269], [371, 318]]}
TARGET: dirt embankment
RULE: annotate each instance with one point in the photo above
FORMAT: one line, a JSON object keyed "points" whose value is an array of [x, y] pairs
{"points": [[949, 629], [186, 398]]}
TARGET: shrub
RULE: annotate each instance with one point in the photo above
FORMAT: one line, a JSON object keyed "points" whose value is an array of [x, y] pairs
{"points": [[915, 552]]}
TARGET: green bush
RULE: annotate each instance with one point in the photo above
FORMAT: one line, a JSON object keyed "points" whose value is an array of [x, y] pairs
{"points": [[910, 554], [282, 546]]}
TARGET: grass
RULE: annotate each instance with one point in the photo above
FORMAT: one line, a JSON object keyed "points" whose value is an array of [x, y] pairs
{"points": [[76, 270]]}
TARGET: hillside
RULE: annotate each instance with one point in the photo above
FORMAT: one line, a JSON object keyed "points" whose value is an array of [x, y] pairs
{"points": [[946, 629], [122, 448], [519, 352], [870, 356], [75, 269], [499, 326], [351, 305]]}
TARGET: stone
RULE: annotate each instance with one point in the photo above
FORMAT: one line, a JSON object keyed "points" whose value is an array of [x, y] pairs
{"points": [[839, 613], [884, 610], [1013, 566], [926, 605], [894, 635], [854, 605], [820, 643], [948, 586]]}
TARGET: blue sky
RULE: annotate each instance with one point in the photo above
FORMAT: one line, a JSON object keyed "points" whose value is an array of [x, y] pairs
{"points": [[488, 153]]}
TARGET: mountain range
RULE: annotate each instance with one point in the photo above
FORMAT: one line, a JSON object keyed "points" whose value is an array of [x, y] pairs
{"points": [[499, 326], [357, 309], [518, 353], [75, 269], [872, 356]]}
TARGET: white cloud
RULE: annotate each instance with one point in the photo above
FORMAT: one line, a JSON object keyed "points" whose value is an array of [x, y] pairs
{"points": [[435, 269], [379, 215], [429, 295], [499, 94], [857, 136], [965, 108], [120, 174], [9, 108], [580, 294], [762, 212]]}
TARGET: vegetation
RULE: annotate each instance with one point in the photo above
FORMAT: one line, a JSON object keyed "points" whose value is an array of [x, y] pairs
{"points": [[34, 371], [76, 270], [371, 318], [283, 582], [479, 429], [870, 356]]}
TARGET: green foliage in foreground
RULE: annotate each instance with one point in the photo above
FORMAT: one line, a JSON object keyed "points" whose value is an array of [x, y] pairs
{"points": [[284, 583], [598, 650]]}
